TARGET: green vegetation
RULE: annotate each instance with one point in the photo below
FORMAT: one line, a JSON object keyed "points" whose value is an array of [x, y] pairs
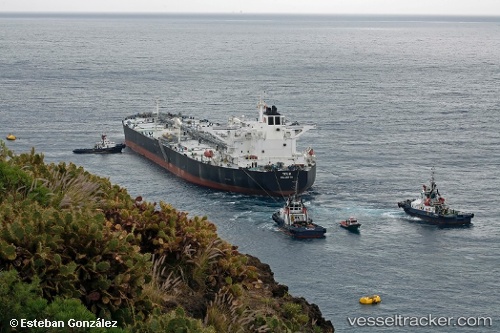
{"points": [[24, 300], [72, 245]]}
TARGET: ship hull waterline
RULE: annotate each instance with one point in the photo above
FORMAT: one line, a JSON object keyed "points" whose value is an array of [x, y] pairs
{"points": [[273, 183]]}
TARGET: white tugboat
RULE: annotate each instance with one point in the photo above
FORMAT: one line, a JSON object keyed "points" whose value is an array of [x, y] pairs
{"points": [[294, 219], [247, 156], [431, 208]]}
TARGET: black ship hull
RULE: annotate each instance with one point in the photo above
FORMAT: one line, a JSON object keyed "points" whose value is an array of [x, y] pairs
{"points": [[453, 220], [274, 183]]}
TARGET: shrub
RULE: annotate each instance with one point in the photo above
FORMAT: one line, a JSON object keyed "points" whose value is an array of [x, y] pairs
{"points": [[20, 300]]}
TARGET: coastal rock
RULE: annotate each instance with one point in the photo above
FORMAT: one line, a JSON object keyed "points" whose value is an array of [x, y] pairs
{"points": [[280, 291]]}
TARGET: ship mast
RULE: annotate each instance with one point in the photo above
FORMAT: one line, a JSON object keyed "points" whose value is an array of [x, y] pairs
{"points": [[157, 108], [262, 107], [433, 183]]}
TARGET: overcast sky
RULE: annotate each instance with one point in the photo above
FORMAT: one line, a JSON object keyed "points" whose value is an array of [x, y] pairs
{"points": [[432, 7]]}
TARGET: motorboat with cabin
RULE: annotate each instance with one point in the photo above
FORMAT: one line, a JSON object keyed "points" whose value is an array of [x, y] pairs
{"points": [[350, 224]]}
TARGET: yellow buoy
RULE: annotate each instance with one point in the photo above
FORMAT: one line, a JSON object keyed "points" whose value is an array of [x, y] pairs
{"points": [[373, 299], [11, 137]]}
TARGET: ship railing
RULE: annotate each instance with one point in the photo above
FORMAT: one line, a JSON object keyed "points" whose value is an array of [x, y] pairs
{"points": [[140, 115]]}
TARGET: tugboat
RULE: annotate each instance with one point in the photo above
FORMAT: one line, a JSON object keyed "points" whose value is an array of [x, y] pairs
{"points": [[250, 155], [294, 219], [350, 224], [102, 147], [431, 208]]}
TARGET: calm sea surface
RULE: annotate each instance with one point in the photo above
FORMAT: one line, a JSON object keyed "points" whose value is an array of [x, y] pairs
{"points": [[392, 97]]}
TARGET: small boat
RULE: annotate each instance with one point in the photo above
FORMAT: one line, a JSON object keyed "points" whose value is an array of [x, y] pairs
{"points": [[432, 209], [102, 147], [11, 137], [373, 299], [350, 224], [294, 219]]}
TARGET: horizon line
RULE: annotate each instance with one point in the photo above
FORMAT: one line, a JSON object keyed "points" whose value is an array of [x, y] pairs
{"points": [[238, 13]]}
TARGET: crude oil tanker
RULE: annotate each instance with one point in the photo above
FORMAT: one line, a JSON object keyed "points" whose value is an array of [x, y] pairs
{"points": [[246, 156]]}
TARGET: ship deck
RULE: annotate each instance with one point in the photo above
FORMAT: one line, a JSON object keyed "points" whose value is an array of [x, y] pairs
{"points": [[208, 142]]}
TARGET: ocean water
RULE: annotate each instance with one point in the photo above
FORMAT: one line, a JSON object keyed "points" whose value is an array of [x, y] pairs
{"points": [[391, 97]]}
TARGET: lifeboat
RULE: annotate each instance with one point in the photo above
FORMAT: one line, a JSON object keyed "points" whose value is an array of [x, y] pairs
{"points": [[11, 137], [208, 153], [373, 299]]}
